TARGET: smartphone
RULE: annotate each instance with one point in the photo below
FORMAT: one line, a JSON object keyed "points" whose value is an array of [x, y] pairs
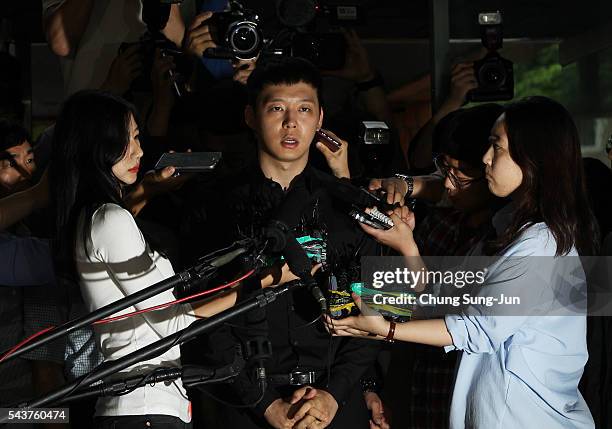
{"points": [[189, 162], [375, 219], [331, 143]]}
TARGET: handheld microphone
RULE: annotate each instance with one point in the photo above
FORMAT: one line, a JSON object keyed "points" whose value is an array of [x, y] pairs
{"points": [[344, 191], [295, 255], [300, 265]]}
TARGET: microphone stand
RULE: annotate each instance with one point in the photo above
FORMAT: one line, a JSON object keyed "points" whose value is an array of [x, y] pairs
{"points": [[205, 268], [190, 376], [157, 348]]}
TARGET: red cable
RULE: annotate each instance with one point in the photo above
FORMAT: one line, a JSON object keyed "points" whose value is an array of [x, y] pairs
{"points": [[24, 342], [168, 304], [135, 313]]}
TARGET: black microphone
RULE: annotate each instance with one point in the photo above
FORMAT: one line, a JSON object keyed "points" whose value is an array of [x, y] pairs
{"points": [[343, 190], [300, 265], [280, 239], [275, 235], [285, 242]]}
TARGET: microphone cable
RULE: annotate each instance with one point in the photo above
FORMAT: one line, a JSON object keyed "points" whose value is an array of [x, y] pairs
{"points": [[132, 314]]}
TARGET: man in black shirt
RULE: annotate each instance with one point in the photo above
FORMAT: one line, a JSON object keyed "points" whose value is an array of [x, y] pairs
{"points": [[284, 112]]}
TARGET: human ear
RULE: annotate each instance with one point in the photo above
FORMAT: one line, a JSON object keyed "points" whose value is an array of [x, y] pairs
{"points": [[320, 124]]}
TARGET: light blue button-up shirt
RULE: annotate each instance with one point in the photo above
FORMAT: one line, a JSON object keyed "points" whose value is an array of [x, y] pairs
{"points": [[522, 370]]}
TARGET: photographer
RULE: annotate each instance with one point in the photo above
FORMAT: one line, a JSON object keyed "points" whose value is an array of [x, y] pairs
{"points": [[356, 93], [368, 83], [27, 260], [30, 299], [463, 80], [86, 35]]}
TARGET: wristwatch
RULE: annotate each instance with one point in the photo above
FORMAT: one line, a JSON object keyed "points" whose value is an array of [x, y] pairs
{"points": [[409, 181]]}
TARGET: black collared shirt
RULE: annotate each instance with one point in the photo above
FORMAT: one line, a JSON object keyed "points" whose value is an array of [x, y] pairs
{"points": [[245, 203]]}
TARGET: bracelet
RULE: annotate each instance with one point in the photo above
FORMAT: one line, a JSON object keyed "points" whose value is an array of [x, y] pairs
{"points": [[389, 337], [377, 80], [369, 385], [409, 181]]}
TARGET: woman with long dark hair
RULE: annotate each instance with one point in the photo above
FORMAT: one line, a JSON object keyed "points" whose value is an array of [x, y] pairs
{"points": [[518, 369], [96, 154]]}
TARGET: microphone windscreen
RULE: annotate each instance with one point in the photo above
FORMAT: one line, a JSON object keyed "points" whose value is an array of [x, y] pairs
{"points": [[276, 235], [296, 257]]}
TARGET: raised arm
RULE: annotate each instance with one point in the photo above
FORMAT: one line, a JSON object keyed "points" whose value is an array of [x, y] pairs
{"points": [[462, 81], [64, 24], [19, 205]]}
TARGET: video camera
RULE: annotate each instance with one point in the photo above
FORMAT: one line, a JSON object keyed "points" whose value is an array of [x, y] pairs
{"points": [[312, 30], [309, 30], [236, 33], [494, 73]]}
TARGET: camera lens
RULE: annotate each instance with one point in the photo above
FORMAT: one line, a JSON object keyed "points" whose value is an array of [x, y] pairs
{"points": [[244, 39], [492, 75]]}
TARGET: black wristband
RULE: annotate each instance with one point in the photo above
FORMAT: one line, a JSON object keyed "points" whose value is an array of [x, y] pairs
{"points": [[377, 80]]}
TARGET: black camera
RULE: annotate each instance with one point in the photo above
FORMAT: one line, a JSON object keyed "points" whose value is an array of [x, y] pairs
{"points": [[495, 74], [236, 33], [311, 32]]}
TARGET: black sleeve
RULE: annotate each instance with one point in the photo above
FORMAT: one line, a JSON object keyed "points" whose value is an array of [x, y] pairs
{"points": [[26, 261], [354, 357], [378, 371]]}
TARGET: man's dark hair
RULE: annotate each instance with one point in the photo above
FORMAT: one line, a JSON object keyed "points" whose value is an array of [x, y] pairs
{"points": [[464, 133], [282, 71], [11, 134]]}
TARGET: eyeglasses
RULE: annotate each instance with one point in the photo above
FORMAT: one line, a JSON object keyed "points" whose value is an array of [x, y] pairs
{"points": [[446, 170]]}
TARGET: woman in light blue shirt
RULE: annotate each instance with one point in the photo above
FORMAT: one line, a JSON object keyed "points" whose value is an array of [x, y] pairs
{"points": [[520, 369]]}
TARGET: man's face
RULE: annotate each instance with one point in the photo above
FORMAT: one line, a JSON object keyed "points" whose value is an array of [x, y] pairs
{"points": [[16, 168], [285, 119]]}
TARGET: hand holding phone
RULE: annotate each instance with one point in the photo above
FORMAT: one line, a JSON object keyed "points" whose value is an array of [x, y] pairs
{"points": [[331, 143], [374, 218], [189, 162]]}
